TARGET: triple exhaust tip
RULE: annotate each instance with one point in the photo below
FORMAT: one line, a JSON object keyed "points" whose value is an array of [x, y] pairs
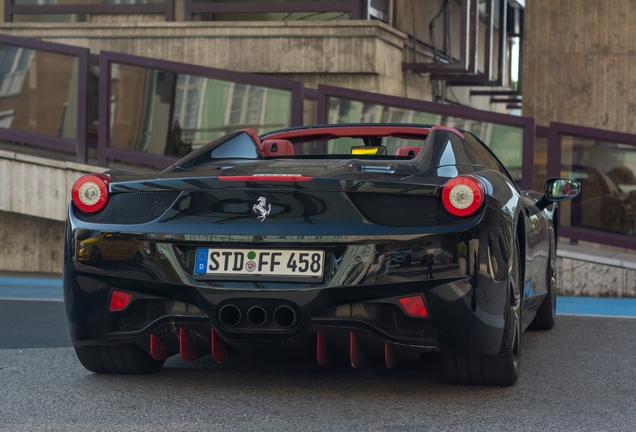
{"points": [[284, 316]]}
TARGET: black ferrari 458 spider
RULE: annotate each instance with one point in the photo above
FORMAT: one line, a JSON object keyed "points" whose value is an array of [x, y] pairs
{"points": [[378, 243]]}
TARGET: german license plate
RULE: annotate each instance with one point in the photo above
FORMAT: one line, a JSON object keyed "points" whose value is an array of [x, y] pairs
{"points": [[256, 262]]}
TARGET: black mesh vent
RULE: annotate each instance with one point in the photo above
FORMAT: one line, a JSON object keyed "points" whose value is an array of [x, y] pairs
{"points": [[387, 317], [143, 312], [133, 208], [401, 210]]}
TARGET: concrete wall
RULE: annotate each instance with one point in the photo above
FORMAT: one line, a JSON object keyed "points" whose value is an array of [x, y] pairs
{"points": [[587, 271], [34, 195], [361, 55], [579, 62], [30, 244]]}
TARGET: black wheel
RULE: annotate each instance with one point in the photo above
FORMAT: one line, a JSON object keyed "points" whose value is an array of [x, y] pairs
{"points": [[407, 261], [120, 359], [96, 255], [546, 314], [503, 368]]}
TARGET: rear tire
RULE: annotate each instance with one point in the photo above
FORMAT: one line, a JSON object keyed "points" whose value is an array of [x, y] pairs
{"points": [[503, 368], [120, 359]]}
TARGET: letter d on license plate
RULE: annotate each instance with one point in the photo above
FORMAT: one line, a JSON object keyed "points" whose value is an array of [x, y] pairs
{"points": [[281, 264]]}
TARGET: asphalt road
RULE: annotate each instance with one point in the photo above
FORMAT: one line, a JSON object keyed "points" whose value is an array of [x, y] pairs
{"points": [[579, 376]]}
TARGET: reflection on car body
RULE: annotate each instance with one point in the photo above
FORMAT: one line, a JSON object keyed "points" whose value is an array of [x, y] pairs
{"points": [[111, 246]]}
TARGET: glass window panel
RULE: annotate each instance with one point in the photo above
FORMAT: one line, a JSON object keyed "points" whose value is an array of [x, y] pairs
{"points": [[310, 107], [38, 92], [169, 113], [607, 172], [505, 141]]}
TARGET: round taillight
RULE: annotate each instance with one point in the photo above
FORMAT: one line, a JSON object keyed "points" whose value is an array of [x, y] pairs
{"points": [[90, 192], [463, 195]]}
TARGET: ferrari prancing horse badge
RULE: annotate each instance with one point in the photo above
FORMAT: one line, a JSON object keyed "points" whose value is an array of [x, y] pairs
{"points": [[260, 207]]}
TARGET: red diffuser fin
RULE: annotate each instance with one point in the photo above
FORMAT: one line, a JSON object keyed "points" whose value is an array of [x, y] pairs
{"points": [[354, 351], [187, 348], [219, 349], [157, 349], [322, 352]]}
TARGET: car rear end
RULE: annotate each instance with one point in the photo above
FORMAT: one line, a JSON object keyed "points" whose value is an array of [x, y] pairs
{"points": [[283, 264]]}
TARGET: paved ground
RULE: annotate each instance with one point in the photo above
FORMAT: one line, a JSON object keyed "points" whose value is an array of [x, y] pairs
{"points": [[579, 376]]}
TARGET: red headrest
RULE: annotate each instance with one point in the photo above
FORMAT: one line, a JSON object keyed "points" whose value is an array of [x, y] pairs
{"points": [[411, 151], [277, 147]]}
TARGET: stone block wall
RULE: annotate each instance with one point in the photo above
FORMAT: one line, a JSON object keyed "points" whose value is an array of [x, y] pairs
{"points": [[34, 195]]}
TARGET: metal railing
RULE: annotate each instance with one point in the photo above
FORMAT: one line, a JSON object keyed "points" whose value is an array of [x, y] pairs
{"points": [[605, 164], [17, 106], [182, 90], [450, 115]]}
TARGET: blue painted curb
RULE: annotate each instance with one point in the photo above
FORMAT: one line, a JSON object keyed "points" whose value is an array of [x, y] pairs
{"points": [[624, 307]]}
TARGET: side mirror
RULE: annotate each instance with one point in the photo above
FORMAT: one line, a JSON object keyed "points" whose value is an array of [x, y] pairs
{"points": [[559, 189]]}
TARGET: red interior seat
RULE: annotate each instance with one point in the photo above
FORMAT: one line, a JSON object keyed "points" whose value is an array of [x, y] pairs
{"points": [[277, 147], [410, 151]]}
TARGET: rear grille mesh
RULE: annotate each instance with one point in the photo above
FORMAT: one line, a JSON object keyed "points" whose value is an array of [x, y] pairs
{"points": [[401, 210], [133, 208]]}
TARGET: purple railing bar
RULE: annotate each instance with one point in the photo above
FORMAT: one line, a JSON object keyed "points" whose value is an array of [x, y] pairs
{"points": [[103, 112], [134, 156], [37, 44], [542, 131], [601, 237], [191, 7], [554, 141], [82, 54], [208, 72], [54, 143], [310, 93], [166, 9], [82, 105], [107, 57], [399, 102], [527, 162], [527, 123]]}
